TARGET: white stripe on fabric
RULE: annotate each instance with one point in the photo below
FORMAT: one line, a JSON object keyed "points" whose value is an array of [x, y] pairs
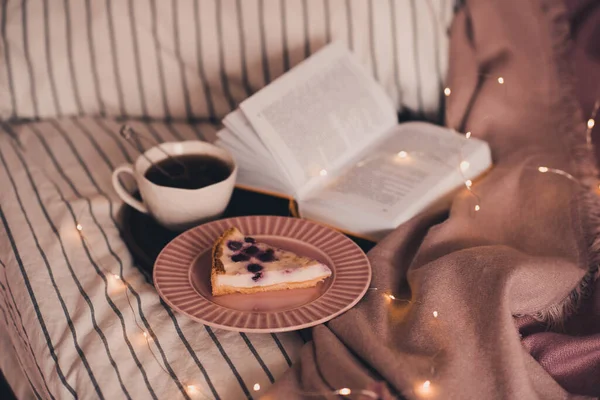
{"points": [[197, 355], [196, 60]]}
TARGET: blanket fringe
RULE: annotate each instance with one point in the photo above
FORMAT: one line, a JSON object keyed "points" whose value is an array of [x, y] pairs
{"points": [[583, 164], [555, 316]]}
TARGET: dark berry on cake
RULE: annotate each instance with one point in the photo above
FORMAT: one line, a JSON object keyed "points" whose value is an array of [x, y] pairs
{"points": [[239, 257], [234, 245], [251, 250], [266, 256], [257, 276], [249, 239], [254, 268]]}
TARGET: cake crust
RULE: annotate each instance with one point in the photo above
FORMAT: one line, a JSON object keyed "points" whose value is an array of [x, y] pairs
{"points": [[217, 251], [217, 265]]}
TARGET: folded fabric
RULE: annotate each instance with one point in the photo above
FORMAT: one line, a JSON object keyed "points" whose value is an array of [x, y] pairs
{"points": [[441, 323], [572, 355], [584, 16]]}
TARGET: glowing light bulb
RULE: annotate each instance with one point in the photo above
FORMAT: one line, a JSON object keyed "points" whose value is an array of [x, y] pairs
{"points": [[425, 389], [191, 389], [117, 277], [79, 227], [468, 134], [323, 172], [464, 165], [477, 208], [468, 183], [500, 80], [256, 387], [435, 314], [344, 391], [402, 154], [591, 123], [543, 169], [146, 334], [447, 91], [391, 297]]}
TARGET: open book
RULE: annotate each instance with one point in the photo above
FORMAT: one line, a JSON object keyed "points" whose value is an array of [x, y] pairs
{"points": [[327, 135]]}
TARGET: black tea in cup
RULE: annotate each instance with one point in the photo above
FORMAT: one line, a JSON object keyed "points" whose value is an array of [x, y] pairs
{"points": [[190, 171]]}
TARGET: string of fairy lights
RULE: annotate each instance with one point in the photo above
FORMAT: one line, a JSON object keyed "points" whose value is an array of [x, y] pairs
{"points": [[426, 387], [193, 389], [591, 122]]}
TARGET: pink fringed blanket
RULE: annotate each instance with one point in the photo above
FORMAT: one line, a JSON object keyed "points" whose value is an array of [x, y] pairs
{"points": [[465, 282]]}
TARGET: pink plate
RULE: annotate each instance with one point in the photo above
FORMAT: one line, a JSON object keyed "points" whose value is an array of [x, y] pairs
{"points": [[182, 276]]}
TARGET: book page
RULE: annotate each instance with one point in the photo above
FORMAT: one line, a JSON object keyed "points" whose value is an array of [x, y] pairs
{"points": [[320, 114], [237, 123], [379, 184], [413, 167], [261, 174]]}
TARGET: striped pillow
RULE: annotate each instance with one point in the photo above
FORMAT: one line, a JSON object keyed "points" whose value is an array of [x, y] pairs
{"points": [[185, 59]]}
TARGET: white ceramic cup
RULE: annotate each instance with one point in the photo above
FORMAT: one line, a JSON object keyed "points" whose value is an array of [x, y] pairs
{"points": [[177, 209]]}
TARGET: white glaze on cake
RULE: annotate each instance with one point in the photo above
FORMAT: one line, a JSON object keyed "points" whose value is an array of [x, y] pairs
{"points": [[244, 280]]}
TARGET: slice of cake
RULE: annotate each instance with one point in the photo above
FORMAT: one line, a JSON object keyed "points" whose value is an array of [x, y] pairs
{"points": [[243, 265]]}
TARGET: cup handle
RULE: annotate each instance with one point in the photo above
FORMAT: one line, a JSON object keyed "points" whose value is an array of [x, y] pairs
{"points": [[124, 194]]}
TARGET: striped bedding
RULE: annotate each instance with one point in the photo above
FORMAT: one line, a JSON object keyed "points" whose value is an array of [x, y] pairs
{"points": [[72, 329], [68, 71], [185, 59]]}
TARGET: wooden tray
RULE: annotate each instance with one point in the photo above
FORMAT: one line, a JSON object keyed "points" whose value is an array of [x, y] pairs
{"points": [[145, 238]]}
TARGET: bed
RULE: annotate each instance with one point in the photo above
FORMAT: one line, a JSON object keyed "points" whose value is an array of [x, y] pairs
{"points": [[71, 74], [517, 284]]}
